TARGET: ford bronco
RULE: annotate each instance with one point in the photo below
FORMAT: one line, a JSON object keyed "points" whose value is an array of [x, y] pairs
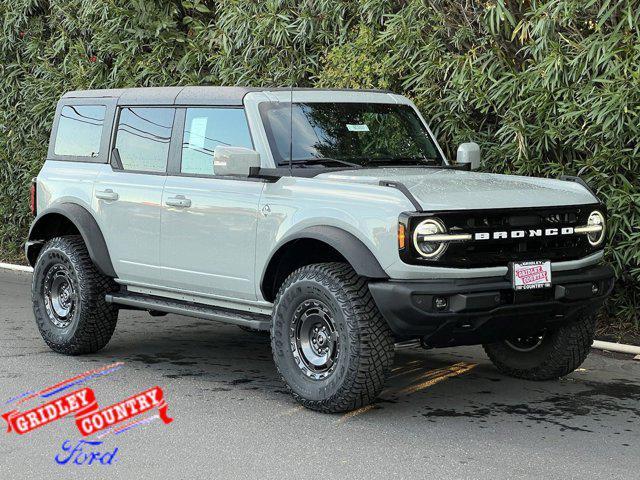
{"points": [[330, 218]]}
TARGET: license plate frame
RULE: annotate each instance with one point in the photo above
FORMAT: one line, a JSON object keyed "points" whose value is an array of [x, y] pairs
{"points": [[530, 275]]}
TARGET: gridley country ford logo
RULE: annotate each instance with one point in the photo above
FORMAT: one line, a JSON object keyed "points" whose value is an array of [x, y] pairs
{"points": [[89, 418]]}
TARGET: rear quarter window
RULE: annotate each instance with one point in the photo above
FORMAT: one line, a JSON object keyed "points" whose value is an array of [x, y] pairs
{"points": [[80, 130]]}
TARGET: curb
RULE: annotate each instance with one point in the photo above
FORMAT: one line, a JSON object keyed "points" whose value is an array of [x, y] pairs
{"points": [[17, 268], [617, 347]]}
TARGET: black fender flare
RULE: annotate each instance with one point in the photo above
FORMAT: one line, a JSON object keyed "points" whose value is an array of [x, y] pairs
{"points": [[348, 245], [86, 225]]}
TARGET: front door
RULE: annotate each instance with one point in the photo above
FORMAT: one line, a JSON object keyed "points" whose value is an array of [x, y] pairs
{"points": [[209, 222], [128, 197]]}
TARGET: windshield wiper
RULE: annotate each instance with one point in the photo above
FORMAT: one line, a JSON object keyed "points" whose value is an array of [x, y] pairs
{"points": [[316, 161], [403, 160]]}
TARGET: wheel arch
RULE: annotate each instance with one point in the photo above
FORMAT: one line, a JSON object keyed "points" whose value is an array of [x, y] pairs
{"points": [[69, 219], [317, 244]]}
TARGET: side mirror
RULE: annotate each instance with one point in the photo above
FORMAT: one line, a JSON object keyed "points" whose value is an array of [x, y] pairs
{"points": [[234, 161], [469, 154]]}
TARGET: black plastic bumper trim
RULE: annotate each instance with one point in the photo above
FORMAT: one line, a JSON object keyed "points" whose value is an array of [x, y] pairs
{"points": [[484, 309]]}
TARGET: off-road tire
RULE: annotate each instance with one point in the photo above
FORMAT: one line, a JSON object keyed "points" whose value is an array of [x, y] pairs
{"points": [[560, 353], [366, 343], [93, 320]]}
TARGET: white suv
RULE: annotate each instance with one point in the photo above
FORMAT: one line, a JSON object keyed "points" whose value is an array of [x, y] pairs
{"points": [[331, 218]]}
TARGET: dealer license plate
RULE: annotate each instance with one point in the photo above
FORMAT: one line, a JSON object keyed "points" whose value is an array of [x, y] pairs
{"points": [[531, 275]]}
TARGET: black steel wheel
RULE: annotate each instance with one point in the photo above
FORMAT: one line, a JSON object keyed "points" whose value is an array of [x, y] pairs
{"points": [[546, 356], [68, 296], [330, 343], [314, 339], [59, 295], [525, 344]]}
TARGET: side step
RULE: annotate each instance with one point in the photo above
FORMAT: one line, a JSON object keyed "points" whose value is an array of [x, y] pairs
{"points": [[252, 320]]}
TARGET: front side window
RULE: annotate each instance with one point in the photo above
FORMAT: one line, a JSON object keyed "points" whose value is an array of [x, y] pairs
{"points": [[362, 134], [80, 130], [143, 138], [204, 130]]}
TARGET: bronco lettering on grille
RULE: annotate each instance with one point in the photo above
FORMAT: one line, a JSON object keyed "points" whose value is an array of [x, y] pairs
{"points": [[503, 234]]}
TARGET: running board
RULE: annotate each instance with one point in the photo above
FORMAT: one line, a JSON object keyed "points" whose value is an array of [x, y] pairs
{"points": [[188, 309]]}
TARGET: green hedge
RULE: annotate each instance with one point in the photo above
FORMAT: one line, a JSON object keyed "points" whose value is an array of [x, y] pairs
{"points": [[546, 87]]}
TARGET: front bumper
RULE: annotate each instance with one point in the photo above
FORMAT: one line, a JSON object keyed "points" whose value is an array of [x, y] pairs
{"points": [[481, 310]]}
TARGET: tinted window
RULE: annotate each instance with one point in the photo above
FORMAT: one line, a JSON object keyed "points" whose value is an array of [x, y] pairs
{"points": [[357, 133], [205, 129], [143, 138], [80, 130]]}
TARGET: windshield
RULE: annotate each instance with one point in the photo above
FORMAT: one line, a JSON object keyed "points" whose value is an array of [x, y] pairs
{"points": [[352, 134]]}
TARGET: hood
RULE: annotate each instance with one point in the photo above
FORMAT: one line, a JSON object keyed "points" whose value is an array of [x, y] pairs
{"points": [[447, 189]]}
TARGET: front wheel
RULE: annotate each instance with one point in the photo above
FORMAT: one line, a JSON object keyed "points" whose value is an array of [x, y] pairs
{"points": [[546, 356], [330, 343]]}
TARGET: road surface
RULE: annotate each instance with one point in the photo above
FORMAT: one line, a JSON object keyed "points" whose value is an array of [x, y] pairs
{"points": [[444, 413]]}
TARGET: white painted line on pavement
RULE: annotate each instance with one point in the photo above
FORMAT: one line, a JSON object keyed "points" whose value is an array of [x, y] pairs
{"points": [[17, 268]]}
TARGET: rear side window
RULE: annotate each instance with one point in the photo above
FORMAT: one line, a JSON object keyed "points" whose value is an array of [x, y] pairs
{"points": [[143, 138], [205, 129], [80, 130]]}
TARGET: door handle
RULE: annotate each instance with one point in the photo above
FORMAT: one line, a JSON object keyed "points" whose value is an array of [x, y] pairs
{"points": [[179, 201], [107, 194]]}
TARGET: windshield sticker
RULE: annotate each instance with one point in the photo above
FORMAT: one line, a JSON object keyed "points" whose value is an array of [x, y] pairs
{"points": [[357, 128], [197, 132]]}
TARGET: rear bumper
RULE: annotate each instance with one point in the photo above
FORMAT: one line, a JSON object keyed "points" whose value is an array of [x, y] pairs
{"points": [[481, 310]]}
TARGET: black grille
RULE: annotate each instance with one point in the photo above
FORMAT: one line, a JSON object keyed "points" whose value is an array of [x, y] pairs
{"points": [[488, 253]]}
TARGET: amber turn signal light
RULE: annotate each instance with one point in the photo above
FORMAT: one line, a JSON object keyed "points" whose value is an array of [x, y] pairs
{"points": [[401, 236]]}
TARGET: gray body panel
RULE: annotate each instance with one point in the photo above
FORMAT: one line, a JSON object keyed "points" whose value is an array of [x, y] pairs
{"points": [[209, 248], [131, 224], [441, 189], [217, 250]]}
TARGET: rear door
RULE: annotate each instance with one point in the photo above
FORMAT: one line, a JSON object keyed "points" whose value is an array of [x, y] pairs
{"points": [[127, 197], [209, 222]]}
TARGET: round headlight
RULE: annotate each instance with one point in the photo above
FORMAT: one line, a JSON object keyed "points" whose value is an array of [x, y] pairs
{"points": [[596, 219], [425, 247]]}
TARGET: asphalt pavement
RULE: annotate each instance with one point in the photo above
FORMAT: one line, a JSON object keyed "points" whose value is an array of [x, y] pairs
{"points": [[444, 413]]}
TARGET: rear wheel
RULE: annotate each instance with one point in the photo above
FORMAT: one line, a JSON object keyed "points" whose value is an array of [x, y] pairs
{"points": [[546, 356], [68, 298], [330, 343]]}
